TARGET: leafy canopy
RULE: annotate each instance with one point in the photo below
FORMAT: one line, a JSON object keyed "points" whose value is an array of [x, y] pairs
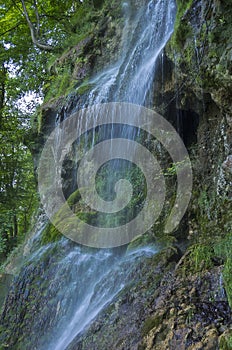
{"points": [[31, 33]]}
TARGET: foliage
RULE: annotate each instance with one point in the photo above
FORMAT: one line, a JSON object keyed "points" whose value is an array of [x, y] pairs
{"points": [[18, 197], [58, 24], [3, 244], [181, 32], [223, 249], [213, 243], [201, 257], [48, 21], [32, 33]]}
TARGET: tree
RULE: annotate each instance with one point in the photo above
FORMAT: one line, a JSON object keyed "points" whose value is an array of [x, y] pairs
{"points": [[35, 29], [32, 32], [47, 22], [18, 196]]}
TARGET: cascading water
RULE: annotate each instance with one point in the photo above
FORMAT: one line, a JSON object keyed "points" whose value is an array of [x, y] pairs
{"points": [[103, 276], [84, 281], [130, 79], [145, 35]]}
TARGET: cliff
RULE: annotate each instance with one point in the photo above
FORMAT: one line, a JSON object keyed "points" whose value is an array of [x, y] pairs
{"points": [[180, 297]]}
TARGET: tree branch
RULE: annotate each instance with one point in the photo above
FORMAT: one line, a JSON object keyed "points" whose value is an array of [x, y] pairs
{"points": [[37, 18], [33, 30]]}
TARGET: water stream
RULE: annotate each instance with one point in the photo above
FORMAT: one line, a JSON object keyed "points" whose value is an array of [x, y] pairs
{"points": [[102, 276], [93, 278]]}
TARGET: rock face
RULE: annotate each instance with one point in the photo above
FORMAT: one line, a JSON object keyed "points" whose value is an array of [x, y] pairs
{"points": [[180, 298], [123, 324], [175, 311], [5, 282], [191, 313]]}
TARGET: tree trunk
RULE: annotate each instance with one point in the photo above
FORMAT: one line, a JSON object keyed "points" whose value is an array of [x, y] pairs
{"points": [[15, 226]]}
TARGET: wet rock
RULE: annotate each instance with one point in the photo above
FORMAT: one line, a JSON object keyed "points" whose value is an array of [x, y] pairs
{"points": [[227, 164], [225, 340], [5, 282]]}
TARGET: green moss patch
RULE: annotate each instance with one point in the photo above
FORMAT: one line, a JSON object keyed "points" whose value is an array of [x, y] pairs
{"points": [[151, 323]]}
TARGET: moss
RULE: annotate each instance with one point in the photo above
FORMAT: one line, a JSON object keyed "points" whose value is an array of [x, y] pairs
{"points": [[223, 250], [182, 30], [202, 255], [84, 87], [60, 85], [225, 342], [151, 323], [62, 68], [63, 222], [74, 198], [227, 274], [213, 215], [50, 234]]}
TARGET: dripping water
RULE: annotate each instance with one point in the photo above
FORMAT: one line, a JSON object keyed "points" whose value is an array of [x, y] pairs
{"points": [[130, 79]]}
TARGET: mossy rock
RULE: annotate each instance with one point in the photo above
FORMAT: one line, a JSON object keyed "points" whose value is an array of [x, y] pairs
{"points": [[141, 241], [150, 323], [74, 198], [63, 222], [50, 234], [225, 340], [182, 30], [83, 88]]}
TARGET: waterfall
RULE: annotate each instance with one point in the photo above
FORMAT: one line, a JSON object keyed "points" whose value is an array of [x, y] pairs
{"points": [[82, 281], [145, 35], [129, 80], [101, 275]]}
